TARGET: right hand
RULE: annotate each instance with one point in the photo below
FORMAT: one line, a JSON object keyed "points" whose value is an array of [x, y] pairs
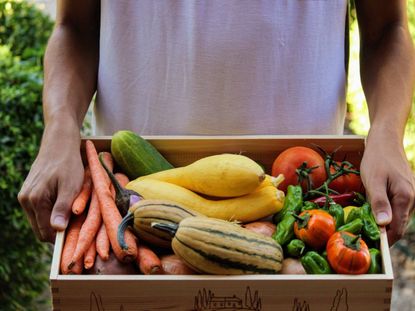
{"points": [[52, 184]]}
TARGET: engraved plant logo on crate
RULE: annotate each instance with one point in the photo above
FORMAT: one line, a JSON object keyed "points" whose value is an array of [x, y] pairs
{"points": [[96, 304], [339, 302], [205, 300]]}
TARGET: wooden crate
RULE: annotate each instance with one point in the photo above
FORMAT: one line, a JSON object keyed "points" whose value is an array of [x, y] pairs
{"points": [[206, 292]]}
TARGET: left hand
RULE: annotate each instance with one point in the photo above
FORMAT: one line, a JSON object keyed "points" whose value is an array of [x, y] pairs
{"points": [[389, 183]]}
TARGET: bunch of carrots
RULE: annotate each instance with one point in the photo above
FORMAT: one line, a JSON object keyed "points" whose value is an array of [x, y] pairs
{"points": [[92, 230]]}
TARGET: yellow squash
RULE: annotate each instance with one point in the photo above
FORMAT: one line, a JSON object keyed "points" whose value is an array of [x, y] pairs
{"points": [[253, 206], [222, 175]]}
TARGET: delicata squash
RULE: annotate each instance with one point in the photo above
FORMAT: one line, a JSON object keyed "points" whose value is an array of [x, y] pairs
{"points": [[215, 246], [145, 212]]}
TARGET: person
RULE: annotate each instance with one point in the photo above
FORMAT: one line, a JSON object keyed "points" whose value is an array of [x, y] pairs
{"points": [[222, 67]]}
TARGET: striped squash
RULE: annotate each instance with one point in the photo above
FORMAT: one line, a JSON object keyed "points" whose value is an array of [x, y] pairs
{"points": [[146, 212], [215, 246]]}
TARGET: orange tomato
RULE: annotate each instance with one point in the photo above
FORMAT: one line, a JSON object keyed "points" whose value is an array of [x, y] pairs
{"points": [[314, 228], [348, 253]]}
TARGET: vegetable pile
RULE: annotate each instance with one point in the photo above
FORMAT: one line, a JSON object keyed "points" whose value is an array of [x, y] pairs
{"points": [[222, 214]]}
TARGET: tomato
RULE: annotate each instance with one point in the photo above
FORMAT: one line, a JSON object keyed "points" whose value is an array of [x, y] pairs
{"points": [[314, 227], [292, 159], [348, 253], [346, 183]]}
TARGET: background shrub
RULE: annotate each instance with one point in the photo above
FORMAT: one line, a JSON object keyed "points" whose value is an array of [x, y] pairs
{"points": [[23, 260]]}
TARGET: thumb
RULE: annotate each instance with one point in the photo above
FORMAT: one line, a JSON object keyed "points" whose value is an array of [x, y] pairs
{"points": [[61, 212], [381, 207]]}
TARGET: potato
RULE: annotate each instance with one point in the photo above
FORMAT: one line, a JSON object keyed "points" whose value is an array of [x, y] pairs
{"points": [[173, 264], [292, 266], [112, 266], [266, 228]]}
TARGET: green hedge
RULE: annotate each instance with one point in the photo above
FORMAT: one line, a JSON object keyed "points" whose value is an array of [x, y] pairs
{"points": [[25, 29], [24, 261]]}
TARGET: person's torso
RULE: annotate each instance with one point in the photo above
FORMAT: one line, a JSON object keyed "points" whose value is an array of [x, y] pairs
{"points": [[222, 67]]}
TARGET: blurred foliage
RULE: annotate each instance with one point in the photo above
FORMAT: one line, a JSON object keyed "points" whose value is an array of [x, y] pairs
{"points": [[358, 114], [25, 29], [24, 261]]}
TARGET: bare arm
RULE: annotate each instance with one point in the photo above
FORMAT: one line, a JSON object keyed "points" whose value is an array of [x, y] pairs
{"points": [[388, 77], [71, 62]]}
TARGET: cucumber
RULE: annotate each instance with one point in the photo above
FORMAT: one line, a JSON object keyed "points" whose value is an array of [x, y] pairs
{"points": [[136, 156]]}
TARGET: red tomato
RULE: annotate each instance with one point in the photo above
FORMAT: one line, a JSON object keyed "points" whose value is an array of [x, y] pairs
{"points": [[348, 253], [291, 159], [346, 183]]}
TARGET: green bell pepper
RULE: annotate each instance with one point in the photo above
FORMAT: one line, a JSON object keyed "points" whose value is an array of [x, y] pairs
{"points": [[354, 214], [292, 203], [370, 227], [285, 219], [375, 261], [354, 226], [308, 205], [295, 248], [314, 263], [285, 230], [336, 210]]}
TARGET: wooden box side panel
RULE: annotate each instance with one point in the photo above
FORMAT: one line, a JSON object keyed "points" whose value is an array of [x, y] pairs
{"points": [[198, 295], [183, 150]]}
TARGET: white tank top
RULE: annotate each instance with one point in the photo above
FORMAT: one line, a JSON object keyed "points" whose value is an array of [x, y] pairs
{"points": [[216, 67]]}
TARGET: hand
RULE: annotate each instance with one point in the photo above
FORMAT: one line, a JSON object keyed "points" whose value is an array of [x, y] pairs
{"points": [[54, 180], [389, 183]]}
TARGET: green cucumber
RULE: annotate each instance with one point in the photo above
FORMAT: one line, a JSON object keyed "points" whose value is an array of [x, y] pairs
{"points": [[136, 156]]}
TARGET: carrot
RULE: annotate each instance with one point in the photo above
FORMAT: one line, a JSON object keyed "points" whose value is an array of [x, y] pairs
{"points": [[81, 200], [109, 162], [122, 179], [103, 243], [93, 219], [147, 260], [71, 239], [88, 230], [110, 214], [123, 197], [90, 255]]}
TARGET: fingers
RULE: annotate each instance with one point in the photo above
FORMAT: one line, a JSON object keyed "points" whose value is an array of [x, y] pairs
{"points": [[44, 213], [61, 212], [381, 207], [379, 201], [402, 203], [25, 203], [37, 207], [47, 198]]}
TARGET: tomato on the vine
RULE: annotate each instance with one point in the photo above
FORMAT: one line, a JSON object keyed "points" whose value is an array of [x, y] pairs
{"points": [[349, 182], [292, 161]]}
